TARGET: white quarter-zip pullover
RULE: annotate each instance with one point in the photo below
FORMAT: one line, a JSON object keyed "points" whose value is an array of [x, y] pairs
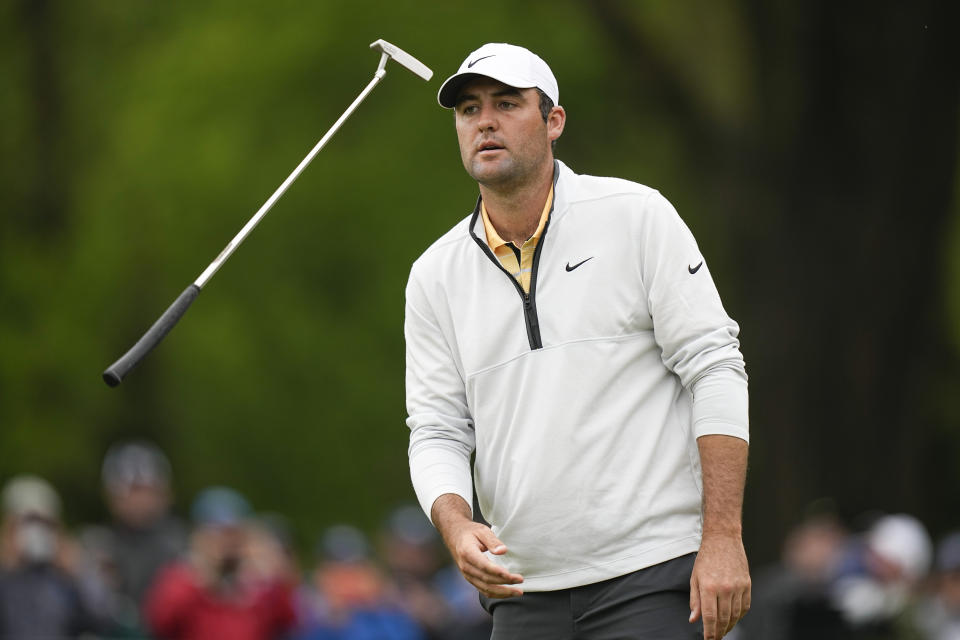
{"points": [[582, 399]]}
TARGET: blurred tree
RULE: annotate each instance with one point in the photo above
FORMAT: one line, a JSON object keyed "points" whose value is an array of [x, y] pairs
{"points": [[836, 190], [46, 198]]}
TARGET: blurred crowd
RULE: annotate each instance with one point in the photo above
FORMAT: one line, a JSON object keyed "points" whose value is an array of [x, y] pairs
{"points": [[884, 580], [231, 572]]}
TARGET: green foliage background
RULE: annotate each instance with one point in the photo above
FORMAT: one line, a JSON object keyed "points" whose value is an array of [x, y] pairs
{"points": [[138, 137]]}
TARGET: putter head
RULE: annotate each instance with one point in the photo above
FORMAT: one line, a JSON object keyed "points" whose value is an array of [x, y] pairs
{"points": [[403, 58]]}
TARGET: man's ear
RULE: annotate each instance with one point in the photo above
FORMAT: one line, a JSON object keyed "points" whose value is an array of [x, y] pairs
{"points": [[556, 120]]}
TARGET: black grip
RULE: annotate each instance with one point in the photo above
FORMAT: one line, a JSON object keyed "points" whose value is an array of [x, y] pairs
{"points": [[119, 369]]}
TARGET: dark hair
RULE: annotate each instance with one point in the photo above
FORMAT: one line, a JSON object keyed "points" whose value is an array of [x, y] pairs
{"points": [[546, 104]]}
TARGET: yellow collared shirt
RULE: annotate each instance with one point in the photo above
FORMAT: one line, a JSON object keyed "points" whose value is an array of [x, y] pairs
{"points": [[518, 262]]}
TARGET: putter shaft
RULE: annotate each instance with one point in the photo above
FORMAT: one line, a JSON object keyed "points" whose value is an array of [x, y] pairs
{"points": [[214, 266], [115, 373]]}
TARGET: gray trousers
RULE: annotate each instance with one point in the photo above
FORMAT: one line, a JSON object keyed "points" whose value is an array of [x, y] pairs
{"points": [[651, 603]]}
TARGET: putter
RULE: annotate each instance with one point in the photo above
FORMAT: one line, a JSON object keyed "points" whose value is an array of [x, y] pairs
{"points": [[116, 372]]}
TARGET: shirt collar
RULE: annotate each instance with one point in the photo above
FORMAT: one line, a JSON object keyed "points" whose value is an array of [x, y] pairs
{"points": [[493, 238]]}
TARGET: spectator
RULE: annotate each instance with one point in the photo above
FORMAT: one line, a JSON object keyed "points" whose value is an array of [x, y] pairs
{"points": [[438, 597], [791, 599], [876, 584], [124, 558], [38, 599], [939, 616], [350, 598], [235, 584]]}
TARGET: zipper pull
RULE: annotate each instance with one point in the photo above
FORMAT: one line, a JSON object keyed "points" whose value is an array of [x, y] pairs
{"points": [[532, 319]]}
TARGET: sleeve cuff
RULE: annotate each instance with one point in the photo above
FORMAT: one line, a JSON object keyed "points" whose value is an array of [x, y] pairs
{"points": [[720, 404], [437, 471]]}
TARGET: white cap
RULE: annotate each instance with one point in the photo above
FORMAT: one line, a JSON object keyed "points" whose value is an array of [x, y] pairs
{"points": [[29, 495], [902, 540], [510, 64]]}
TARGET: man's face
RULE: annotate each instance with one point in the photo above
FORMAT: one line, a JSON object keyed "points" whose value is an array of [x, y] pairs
{"points": [[139, 505], [503, 138]]}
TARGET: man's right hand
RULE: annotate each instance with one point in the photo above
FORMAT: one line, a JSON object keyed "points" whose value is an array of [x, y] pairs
{"points": [[467, 541]]}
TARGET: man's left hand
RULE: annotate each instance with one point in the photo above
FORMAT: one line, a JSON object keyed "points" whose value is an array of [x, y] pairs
{"points": [[720, 584]]}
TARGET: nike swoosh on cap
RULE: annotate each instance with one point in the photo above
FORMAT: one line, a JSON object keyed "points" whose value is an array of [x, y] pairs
{"points": [[470, 64], [693, 270]]}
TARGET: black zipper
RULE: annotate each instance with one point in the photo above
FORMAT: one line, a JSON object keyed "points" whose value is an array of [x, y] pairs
{"points": [[530, 317]]}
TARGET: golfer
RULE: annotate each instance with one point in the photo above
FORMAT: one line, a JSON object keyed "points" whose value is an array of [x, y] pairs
{"points": [[568, 335]]}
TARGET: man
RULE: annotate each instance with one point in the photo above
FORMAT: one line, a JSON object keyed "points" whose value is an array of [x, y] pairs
{"points": [[39, 598], [569, 335], [233, 584], [143, 536]]}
